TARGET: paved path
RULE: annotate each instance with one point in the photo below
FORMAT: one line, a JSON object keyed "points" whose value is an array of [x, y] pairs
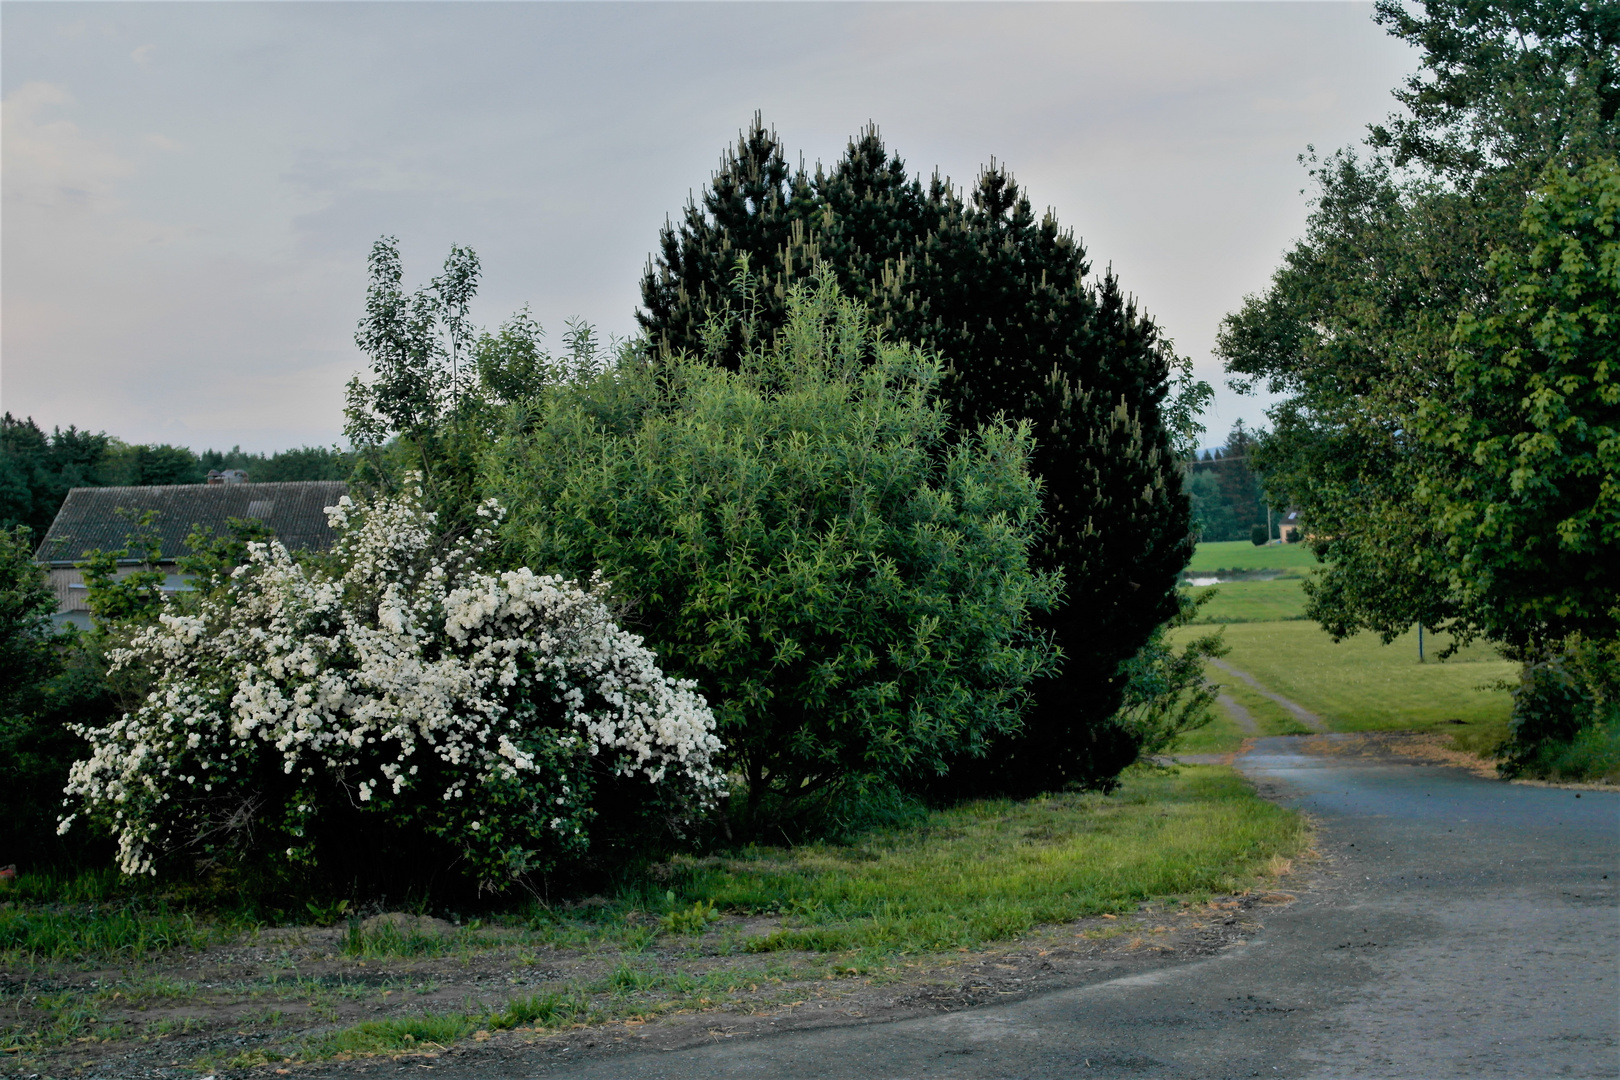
{"points": [[1461, 927], [1300, 712]]}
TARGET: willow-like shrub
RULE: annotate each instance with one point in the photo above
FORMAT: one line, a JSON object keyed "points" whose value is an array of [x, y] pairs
{"points": [[389, 689], [841, 572]]}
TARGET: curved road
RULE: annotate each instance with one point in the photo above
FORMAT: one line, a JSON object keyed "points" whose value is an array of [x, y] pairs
{"points": [[1461, 927]]}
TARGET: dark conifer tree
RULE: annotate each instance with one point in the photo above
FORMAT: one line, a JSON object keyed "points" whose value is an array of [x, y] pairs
{"points": [[1002, 295]]}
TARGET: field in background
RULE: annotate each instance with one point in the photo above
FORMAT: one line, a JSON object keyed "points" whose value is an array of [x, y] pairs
{"points": [[1251, 600], [1358, 684], [1242, 555]]}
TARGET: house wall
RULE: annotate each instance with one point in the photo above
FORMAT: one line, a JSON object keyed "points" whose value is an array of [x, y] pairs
{"points": [[73, 598]]}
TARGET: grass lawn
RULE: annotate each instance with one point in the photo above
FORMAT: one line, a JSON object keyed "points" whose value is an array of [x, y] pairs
{"points": [[1362, 685], [1253, 601], [1242, 555], [971, 874], [992, 870]]}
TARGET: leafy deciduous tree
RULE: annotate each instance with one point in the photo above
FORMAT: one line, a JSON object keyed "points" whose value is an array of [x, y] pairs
{"points": [[850, 587], [1357, 328], [1003, 296]]}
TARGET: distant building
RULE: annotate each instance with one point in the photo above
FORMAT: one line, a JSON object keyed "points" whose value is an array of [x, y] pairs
{"points": [[1291, 528], [88, 521], [227, 476]]}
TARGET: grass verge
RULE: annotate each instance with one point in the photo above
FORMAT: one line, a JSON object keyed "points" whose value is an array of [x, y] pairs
{"points": [[95, 933], [1220, 736], [751, 929], [992, 870]]}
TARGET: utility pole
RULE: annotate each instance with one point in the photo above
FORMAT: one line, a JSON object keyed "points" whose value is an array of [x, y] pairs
{"points": [[1420, 641], [1268, 523]]}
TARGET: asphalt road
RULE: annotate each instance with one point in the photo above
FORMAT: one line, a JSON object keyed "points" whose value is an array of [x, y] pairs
{"points": [[1459, 927]]}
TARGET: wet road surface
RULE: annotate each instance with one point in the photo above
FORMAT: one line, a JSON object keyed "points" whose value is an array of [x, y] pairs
{"points": [[1459, 927]]}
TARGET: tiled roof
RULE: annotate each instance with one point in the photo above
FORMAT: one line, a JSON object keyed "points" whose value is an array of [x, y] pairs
{"points": [[87, 520]]}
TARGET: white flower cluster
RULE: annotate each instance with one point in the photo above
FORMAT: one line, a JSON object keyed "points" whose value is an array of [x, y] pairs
{"points": [[385, 664]]}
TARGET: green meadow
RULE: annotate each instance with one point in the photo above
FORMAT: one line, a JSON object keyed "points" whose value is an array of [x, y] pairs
{"points": [[1359, 684], [1241, 555]]}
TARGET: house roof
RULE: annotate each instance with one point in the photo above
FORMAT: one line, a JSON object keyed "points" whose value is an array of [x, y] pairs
{"points": [[295, 511]]}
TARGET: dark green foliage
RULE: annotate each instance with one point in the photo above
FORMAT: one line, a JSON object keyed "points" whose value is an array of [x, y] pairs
{"points": [[133, 596], [1166, 694], [1358, 327], [1447, 348], [848, 586], [45, 683], [440, 390], [36, 470], [1257, 535], [1529, 508], [138, 466], [1225, 493], [26, 607], [1566, 714], [212, 557], [1504, 83], [305, 463], [1002, 295], [1354, 329]]}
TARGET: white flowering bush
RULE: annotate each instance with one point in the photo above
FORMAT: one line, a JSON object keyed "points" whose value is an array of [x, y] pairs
{"points": [[391, 687]]}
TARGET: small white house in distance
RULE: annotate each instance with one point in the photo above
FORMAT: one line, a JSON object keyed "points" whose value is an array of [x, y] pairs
{"points": [[1291, 528], [89, 520]]}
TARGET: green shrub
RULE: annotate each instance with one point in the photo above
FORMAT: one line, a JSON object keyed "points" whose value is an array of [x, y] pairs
{"points": [[1566, 714], [847, 579], [1166, 694], [47, 680], [388, 710], [1258, 535]]}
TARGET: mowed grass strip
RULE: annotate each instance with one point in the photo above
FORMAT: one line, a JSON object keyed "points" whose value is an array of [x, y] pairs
{"points": [[1362, 685], [1223, 735], [992, 870], [1270, 717], [1252, 601], [1242, 555]]}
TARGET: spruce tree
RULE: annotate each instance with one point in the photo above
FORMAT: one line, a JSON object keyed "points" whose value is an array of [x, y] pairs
{"points": [[1004, 297]]}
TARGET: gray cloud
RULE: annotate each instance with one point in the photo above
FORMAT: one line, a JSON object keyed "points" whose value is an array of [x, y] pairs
{"points": [[190, 191]]}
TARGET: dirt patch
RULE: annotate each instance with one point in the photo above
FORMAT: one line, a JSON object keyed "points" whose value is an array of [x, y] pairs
{"points": [[1430, 747], [256, 1006]]}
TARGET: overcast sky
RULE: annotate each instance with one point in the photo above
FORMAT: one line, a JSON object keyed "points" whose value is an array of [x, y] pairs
{"points": [[191, 190]]}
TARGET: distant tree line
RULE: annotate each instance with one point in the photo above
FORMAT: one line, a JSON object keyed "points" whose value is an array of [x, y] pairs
{"points": [[1225, 493], [37, 469]]}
